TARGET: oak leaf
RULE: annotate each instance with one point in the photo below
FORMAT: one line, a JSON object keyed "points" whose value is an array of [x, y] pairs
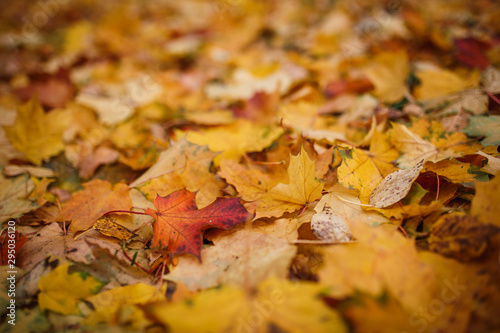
{"points": [[178, 223]]}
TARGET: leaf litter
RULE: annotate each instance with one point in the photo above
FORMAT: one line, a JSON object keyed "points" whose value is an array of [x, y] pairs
{"points": [[236, 166]]}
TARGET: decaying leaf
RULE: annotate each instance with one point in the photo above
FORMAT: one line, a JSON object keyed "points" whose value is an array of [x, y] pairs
{"points": [[328, 226], [395, 186], [108, 227], [14, 192], [461, 236]]}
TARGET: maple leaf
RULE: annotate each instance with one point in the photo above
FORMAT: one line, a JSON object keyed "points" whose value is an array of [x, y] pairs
{"points": [[98, 198], [441, 145], [178, 223], [364, 170], [303, 188], [37, 134]]}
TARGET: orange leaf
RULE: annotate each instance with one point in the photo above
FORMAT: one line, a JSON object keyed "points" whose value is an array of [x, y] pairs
{"points": [[178, 222], [98, 198]]}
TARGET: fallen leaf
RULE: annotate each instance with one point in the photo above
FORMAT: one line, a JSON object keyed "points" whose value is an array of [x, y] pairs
{"points": [[175, 158], [364, 170], [236, 139], [108, 227], [16, 170], [460, 236], [98, 198], [303, 188], [438, 83], [290, 306], [221, 309], [453, 170], [414, 148], [488, 127], [51, 240], [60, 290], [380, 259], [388, 73], [178, 223], [330, 227], [345, 203], [470, 52], [37, 134], [91, 162], [9, 253], [395, 186], [14, 194], [107, 305], [251, 183], [242, 258], [484, 205]]}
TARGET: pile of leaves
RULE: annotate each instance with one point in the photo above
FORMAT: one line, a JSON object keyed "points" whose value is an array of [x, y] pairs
{"points": [[251, 166]]}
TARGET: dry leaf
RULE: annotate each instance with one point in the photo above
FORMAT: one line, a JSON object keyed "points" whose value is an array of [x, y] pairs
{"points": [[330, 227], [395, 186]]}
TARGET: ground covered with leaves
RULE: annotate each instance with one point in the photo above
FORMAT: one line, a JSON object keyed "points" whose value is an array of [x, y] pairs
{"points": [[250, 166]]}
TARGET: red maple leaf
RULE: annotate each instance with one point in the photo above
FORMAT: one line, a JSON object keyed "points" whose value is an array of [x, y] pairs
{"points": [[178, 222]]}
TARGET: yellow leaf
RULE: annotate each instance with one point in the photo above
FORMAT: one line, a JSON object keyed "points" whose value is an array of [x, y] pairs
{"points": [[364, 170], [212, 117], [38, 134], [381, 258], [303, 188], [415, 148], [110, 304], [215, 310], [292, 307], [108, 227], [297, 307], [388, 73], [438, 83], [236, 139], [485, 203], [455, 171], [60, 291]]}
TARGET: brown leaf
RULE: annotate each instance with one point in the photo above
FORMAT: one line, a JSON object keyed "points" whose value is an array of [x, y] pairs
{"points": [[98, 198]]}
